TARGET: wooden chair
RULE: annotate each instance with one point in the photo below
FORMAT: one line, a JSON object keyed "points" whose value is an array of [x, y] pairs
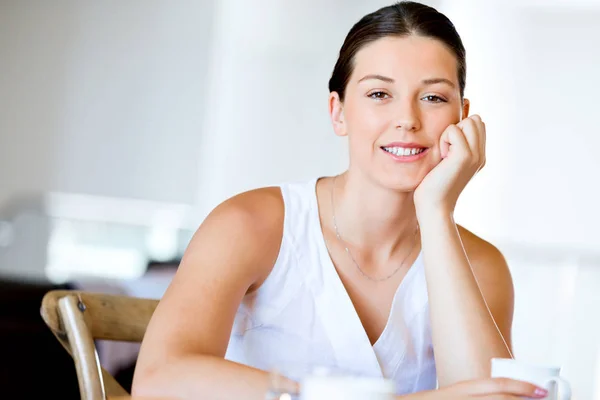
{"points": [[77, 318]]}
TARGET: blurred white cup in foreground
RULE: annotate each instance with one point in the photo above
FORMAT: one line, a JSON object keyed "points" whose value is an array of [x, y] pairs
{"points": [[327, 387], [542, 376]]}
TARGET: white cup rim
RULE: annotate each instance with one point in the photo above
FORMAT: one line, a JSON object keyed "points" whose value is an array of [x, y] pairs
{"points": [[526, 364]]}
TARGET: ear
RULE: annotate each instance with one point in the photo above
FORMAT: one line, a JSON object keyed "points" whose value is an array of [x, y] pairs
{"points": [[465, 109], [336, 112]]}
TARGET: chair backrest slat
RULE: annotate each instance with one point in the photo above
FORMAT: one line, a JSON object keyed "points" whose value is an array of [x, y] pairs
{"points": [[77, 318], [109, 317], [83, 349]]}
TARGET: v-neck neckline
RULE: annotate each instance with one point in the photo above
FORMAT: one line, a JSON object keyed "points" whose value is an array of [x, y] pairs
{"points": [[339, 300]]}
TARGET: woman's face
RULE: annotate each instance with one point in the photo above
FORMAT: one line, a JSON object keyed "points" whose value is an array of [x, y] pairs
{"points": [[401, 96]]}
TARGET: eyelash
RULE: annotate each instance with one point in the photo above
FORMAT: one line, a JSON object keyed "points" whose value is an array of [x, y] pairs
{"points": [[379, 92], [379, 95], [438, 99]]}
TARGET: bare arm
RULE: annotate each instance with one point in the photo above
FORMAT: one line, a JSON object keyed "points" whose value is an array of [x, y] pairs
{"points": [[471, 300], [231, 254]]}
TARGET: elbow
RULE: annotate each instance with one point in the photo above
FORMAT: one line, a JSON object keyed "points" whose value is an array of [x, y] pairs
{"points": [[146, 384], [165, 379]]}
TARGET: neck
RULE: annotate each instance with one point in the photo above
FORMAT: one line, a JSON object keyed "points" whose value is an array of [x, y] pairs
{"points": [[373, 218]]}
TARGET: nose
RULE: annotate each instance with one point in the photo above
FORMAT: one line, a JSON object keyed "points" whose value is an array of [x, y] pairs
{"points": [[408, 115]]}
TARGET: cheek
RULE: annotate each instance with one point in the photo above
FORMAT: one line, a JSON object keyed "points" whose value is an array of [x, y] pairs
{"points": [[436, 124], [367, 123]]}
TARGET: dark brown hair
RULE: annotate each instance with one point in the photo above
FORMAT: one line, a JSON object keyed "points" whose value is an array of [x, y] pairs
{"points": [[401, 19]]}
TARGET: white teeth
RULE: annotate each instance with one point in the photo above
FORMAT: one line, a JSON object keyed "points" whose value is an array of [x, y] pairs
{"points": [[403, 152]]}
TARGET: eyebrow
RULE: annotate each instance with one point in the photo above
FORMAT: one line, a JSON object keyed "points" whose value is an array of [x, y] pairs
{"points": [[431, 81], [434, 81], [378, 77]]}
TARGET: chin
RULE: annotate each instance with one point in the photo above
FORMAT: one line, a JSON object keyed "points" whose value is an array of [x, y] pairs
{"points": [[402, 184]]}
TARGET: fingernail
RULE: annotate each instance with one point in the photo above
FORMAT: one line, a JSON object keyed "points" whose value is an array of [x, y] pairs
{"points": [[539, 392]]}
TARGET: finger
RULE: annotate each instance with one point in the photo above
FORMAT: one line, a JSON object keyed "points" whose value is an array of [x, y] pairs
{"points": [[470, 130], [474, 130], [453, 141], [444, 144], [482, 138], [505, 386], [482, 131], [482, 141]]}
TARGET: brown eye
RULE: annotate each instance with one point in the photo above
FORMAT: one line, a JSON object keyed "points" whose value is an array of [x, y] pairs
{"points": [[433, 99], [378, 95]]}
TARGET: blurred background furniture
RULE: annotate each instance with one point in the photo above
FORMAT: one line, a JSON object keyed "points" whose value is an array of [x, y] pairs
{"points": [[77, 318]]}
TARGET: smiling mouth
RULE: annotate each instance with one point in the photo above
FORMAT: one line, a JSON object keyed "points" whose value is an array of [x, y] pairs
{"points": [[404, 151]]}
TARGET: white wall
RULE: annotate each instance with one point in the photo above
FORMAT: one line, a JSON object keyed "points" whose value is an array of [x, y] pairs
{"points": [[533, 77], [103, 98], [555, 150]]}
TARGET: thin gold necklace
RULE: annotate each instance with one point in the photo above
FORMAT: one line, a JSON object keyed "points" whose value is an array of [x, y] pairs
{"points": [[337, 234]]}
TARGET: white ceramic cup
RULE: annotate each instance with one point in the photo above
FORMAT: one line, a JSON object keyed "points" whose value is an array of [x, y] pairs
{"points": [[542, 376], [325, 387]]}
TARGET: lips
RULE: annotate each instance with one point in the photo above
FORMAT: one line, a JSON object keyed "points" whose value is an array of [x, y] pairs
{"points": [[404, 151]]}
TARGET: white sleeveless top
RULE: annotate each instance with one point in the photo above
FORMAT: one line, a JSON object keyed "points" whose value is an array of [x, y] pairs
{"points": [[302, 317]]}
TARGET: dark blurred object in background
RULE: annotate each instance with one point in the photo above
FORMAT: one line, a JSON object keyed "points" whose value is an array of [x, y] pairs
{"points": [[34, 364]]}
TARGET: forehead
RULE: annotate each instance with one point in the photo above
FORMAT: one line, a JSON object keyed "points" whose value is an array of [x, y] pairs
{"points": [[406, 57]]}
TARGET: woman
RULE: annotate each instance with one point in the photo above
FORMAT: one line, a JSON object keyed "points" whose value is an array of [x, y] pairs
{"points": [[365, 272]]}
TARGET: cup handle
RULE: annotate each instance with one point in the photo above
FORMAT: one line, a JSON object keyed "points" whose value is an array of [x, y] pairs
{"points": [[564, 388]]}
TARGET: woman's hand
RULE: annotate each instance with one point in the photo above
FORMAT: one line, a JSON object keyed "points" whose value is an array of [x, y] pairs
{"points": [[483, 389], [462, 148]]}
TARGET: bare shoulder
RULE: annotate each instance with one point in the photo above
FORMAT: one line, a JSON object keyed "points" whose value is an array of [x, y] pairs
{"points": [[493, 277], [483, 255], [260, 210], [251, 223], [489, 267]]}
